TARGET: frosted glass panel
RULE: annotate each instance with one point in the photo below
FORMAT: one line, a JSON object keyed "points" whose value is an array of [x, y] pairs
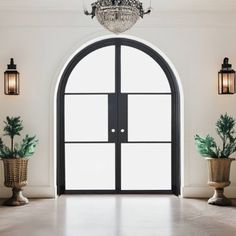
{"points": [[94, 73], [149, 118], [86, 118], [140, 73], [146, 166], [90, 166]]}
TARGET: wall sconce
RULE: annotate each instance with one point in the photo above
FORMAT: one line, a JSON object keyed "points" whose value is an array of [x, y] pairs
{"points": [[11, 79], [226, 78]]}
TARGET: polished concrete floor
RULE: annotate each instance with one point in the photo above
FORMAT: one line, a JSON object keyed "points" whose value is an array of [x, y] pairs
{"points": [[121, 215]]}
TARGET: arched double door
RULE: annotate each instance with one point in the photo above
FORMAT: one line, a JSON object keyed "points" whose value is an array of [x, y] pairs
{"points": [[118, 121]]}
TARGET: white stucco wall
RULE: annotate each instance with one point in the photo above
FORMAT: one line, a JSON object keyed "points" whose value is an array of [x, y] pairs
{"points": [[41, 43]]}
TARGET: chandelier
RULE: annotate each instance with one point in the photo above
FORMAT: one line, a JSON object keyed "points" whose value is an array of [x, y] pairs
{"points": [[117, 15]]}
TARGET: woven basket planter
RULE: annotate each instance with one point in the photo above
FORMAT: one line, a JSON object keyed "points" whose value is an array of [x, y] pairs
{"points": [[15, 174]]}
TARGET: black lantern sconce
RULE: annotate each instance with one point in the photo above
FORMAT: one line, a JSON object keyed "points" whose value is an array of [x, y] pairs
{"points": [[226, 78], [11, 79]]}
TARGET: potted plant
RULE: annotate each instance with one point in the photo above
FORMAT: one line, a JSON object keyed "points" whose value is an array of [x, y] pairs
{"points": [[15, 160], [218, 158]]}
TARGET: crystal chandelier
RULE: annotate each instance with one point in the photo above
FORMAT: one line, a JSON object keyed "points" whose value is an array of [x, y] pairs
{"points": [[117, 15]]}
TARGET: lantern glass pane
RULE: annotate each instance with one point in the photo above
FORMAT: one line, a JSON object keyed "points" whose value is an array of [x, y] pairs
{"points": [[219, 83], [231, 78], [226, 82], [11, 83]]}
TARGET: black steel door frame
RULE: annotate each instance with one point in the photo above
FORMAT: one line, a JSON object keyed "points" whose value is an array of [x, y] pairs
{"points": [[118, 118]]}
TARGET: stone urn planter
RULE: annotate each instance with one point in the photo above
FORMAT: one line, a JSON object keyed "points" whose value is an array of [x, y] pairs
{"points": [[218, 157], [218, 178], [15, 177]]}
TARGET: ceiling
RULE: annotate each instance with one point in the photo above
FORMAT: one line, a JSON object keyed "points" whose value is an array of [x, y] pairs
{"points": [[157, 5]]}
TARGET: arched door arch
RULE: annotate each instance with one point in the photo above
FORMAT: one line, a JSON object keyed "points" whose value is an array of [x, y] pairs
{"points": [[118, 102]]}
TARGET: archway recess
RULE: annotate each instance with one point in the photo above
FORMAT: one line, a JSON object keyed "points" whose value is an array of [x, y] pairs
{"points": [[119, 127]]}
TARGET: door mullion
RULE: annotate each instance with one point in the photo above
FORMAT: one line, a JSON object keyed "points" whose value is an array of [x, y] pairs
{"points": [[112, 132], [118, 90], [122, 132], [112, 119], [123, 118]]}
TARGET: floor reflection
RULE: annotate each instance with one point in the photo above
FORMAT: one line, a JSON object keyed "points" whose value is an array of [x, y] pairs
{"points": [[118, 215]]}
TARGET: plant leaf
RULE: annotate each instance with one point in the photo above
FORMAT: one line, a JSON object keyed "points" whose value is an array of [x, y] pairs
{"points": [[206, 146], [13, 126], [27, 147]]}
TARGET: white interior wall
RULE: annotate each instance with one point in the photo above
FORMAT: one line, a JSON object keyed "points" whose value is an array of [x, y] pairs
{"points": [[41, 42]]}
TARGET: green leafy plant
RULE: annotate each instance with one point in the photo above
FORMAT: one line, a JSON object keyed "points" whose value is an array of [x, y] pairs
{"points": [[13, 127], [207, 146]]}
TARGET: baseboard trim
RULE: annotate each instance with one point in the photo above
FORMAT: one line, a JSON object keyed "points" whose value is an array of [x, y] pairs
{"points": [[50, 192], [205, 192], [31, 192]]}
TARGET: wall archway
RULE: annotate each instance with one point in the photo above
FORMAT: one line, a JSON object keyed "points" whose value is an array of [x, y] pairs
{"points": [[175, 108]]}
